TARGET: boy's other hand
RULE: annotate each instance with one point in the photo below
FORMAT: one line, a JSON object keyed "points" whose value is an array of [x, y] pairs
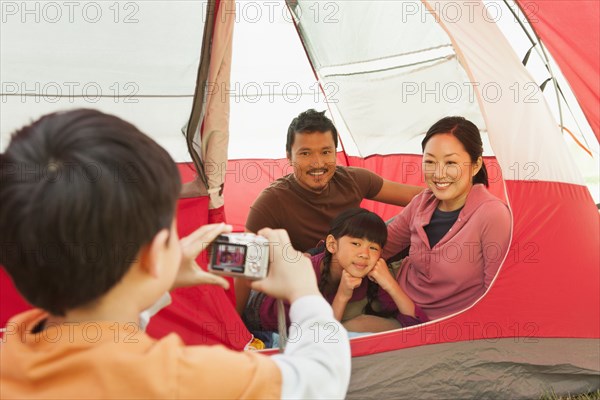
{"points": [[190, 274], [291, 275]]}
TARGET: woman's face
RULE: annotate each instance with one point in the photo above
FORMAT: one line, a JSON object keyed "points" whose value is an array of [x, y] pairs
{"points": [[448, 170]]}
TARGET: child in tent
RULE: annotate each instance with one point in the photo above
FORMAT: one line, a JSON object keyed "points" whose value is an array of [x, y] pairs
{"points": [[89, 236], [353, 278]]}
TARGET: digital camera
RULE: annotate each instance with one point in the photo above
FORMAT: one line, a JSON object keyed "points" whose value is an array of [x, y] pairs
{"points": [[240, 254]]}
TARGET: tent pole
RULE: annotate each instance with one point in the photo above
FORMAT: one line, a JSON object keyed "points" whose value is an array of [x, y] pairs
{"points": [[544, 57], [199, 102]]}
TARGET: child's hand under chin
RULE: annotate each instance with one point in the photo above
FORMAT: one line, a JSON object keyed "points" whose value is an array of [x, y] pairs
{"points": [[381, 274], [347, 285]]}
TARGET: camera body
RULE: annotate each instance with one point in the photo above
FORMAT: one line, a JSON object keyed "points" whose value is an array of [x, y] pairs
{"points": [[243, 255]]}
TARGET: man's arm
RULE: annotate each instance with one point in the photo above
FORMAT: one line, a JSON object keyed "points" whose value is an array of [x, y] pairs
{"points": [[397, 193]]}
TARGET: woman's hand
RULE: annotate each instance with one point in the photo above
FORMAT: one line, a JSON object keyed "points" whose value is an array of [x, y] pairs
{"points": [[382, 276]]}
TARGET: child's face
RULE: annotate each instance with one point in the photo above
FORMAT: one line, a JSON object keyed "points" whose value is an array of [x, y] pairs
{"points": [[357, 256]]}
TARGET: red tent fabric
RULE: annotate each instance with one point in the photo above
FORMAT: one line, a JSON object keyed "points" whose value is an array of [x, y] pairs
{"points": [[562, 25], [199, 315]]}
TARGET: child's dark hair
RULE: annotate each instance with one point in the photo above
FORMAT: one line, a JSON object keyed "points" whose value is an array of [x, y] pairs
{"points": [[81, 193], [362, 224]]}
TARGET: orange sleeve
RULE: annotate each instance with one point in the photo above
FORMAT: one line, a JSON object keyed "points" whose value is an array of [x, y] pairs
{"points": [[218, 373]]}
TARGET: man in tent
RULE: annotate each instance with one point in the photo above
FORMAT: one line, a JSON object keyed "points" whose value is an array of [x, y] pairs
{"points": [[305, 202]]}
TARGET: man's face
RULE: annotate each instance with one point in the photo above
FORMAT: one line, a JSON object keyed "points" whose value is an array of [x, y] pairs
{"points": [[313, 158]]}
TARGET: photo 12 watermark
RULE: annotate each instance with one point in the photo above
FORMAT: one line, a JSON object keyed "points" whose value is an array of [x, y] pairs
{"points": [[58, 12], [272, 11], [455, 92], [491, 331], [53, 92], [271, 91], [75, 332], [468, 11]]}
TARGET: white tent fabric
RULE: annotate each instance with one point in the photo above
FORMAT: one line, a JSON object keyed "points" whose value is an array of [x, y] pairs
{"points": [[149, 52], [482, 83], [271, 80], [137, 60]]}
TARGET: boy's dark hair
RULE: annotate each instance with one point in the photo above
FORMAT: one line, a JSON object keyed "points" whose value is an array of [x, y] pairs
{"points": [[307, 122], [362, 224], [81, 193], [468, 134]]}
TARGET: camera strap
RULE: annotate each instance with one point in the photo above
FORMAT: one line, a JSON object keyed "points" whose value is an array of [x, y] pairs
{"points": [[281, 325]]}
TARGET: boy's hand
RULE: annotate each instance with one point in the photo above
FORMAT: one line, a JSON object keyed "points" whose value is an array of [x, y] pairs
{"points": [[190, 274], [291, 275], [347, 285], [381, 274]]}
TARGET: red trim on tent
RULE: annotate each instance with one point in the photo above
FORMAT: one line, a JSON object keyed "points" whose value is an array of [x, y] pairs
{"points": [[11, 301], [246, 178], [199, 315], [571, 32], [547, 287]]}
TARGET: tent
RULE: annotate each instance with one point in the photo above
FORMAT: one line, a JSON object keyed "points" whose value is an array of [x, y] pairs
{"points": [[386, 70]]}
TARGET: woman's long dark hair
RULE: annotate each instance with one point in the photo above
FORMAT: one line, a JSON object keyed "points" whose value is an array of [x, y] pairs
{"points": [[362, 224], [468, 134]]}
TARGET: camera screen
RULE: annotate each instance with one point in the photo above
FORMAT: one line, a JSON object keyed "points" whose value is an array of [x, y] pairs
{"points": [[229, 257]]}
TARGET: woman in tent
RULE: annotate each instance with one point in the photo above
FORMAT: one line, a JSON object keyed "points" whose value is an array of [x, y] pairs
{"points": [[457, 231]]}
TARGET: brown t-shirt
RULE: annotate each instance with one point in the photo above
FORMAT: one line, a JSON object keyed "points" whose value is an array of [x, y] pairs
{"points": [[307, 215]]}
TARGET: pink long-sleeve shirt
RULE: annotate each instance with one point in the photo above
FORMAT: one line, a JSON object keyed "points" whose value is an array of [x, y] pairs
{"points": [[460, 267]]}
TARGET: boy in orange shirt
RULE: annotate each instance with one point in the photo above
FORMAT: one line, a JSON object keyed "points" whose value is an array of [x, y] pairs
{"points": [[89, 237]]}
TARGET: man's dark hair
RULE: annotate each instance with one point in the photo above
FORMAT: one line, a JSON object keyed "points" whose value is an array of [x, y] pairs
{"points": [[81, 193], [307, 122]]}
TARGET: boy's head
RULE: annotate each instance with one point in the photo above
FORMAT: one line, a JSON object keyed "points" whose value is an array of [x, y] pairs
{"points": [[81, 193]]}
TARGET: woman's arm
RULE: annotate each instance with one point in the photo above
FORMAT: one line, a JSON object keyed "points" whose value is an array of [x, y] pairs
{"points": [[495, 238], [399, 230]]}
